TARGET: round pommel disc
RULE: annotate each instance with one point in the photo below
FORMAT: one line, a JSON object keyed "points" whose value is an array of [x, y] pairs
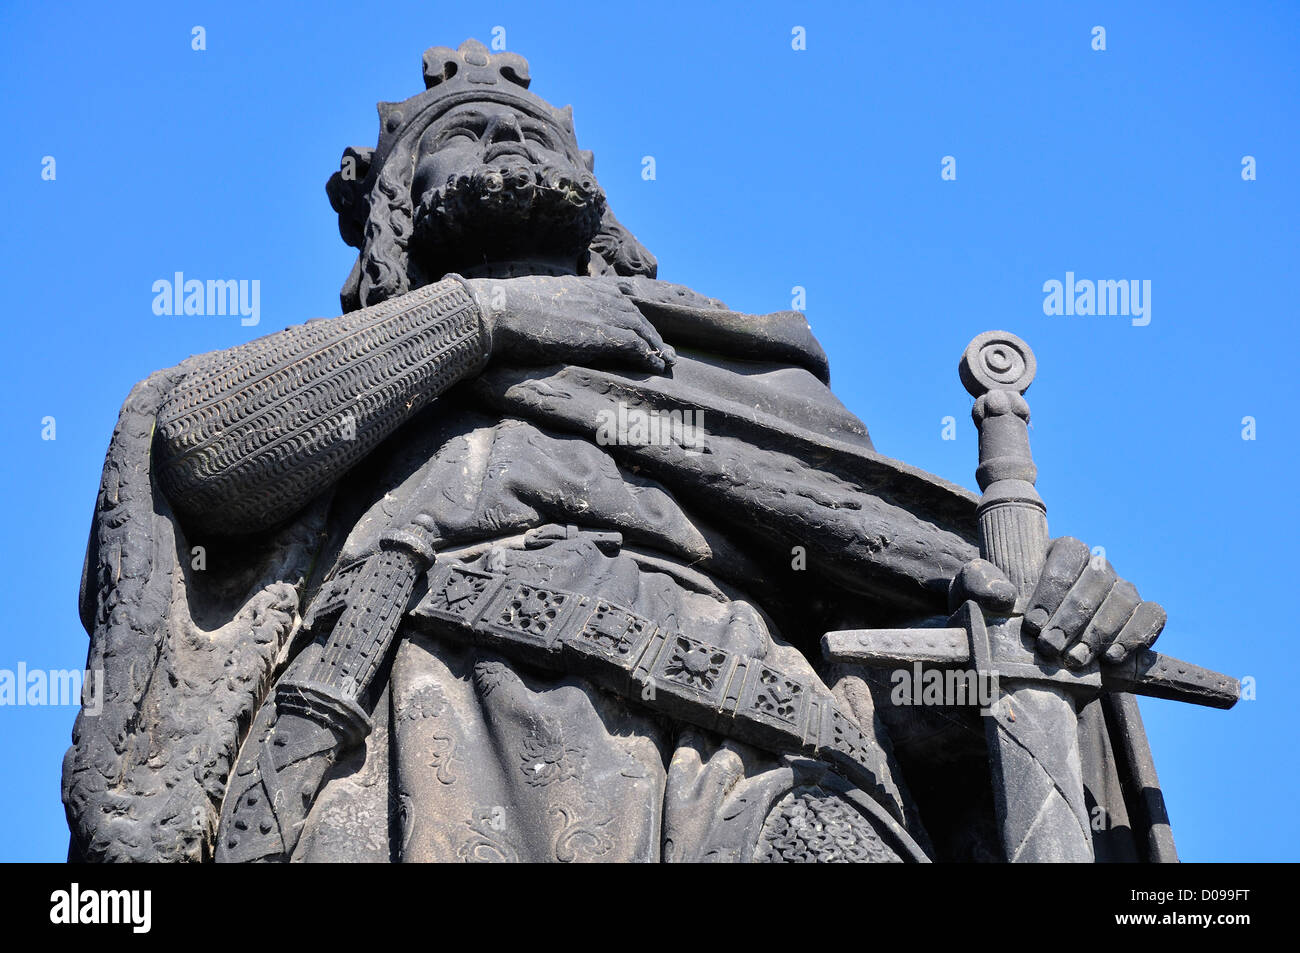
{"points": [[997, 360]]}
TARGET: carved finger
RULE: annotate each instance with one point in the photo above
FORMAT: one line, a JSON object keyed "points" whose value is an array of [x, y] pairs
{"points": [[632, 319], [1077, 608], [984, 582], [1140, 632], [1066, 560], [1107, 623], [647, 332], [636, 348]]}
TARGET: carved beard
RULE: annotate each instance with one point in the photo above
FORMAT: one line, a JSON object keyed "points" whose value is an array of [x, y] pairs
{"points": [[502, 212]]}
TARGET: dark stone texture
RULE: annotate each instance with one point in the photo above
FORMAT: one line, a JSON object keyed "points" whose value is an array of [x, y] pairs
{"points": [[443, 617]]}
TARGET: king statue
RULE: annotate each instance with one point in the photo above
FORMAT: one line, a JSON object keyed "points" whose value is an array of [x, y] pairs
{"points": [[529, 556]]}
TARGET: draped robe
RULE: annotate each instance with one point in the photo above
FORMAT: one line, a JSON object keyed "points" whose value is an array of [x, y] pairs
{"points": [[784, 523]]}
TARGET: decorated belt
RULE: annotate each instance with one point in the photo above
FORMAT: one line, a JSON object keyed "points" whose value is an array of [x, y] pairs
{"points": [[728, 692], [318, 716]]}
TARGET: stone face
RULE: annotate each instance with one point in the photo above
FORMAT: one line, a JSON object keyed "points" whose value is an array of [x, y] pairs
{"points": [[528, 556]]}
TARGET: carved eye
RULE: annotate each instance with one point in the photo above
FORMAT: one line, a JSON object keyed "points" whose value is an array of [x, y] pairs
{"points": [[460, 135], [539, 135], [464, 129]]}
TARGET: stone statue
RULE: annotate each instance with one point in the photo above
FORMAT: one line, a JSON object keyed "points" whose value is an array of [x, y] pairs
{"points": [[530, 555]]}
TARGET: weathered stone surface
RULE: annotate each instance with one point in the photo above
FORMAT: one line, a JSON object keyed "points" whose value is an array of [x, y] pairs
{"points": [[528, 556]]}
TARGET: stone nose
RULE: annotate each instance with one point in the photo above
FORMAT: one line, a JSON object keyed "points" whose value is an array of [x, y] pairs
{"points": [[504, 129]]}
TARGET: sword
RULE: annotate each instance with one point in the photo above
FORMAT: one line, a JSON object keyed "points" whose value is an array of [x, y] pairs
{"points": [[1032, 730]]}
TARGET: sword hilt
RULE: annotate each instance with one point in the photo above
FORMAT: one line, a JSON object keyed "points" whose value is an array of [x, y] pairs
{"points": [[997, 368]]}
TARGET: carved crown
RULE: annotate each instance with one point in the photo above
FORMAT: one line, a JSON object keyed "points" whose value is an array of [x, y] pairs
{"points": [[474, 64], [470, 73]]}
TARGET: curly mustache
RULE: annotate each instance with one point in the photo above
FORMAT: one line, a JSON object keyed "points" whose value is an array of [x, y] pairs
{"points": [[500, 211]]}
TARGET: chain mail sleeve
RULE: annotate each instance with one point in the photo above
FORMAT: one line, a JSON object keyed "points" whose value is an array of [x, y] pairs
{"points": [[252, 433]]}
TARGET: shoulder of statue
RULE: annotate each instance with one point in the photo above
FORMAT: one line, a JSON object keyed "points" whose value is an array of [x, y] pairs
{"points": [[665, 292]]}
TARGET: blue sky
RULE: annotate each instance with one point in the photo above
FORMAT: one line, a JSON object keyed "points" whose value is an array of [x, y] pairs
{"points": [[775, 168]]}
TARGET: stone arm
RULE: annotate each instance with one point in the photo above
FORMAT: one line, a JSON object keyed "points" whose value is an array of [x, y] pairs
{"points": [[251, 434]]}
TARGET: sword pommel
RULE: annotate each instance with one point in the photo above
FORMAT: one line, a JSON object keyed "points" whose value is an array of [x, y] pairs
{"points": [[997, 360]]}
